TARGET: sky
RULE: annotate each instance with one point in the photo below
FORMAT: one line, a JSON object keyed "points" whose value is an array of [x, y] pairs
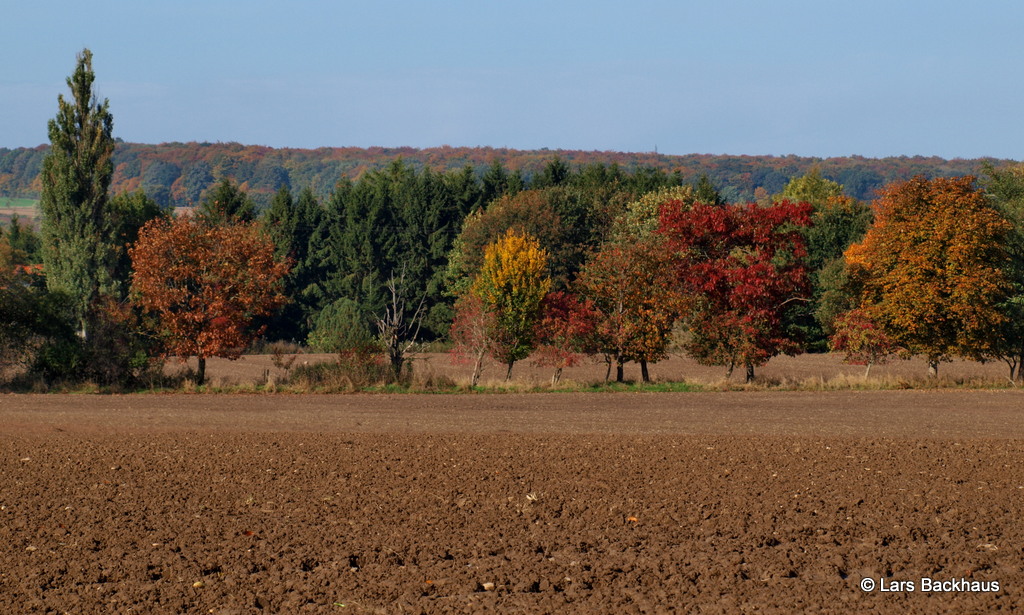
{"points": [[743, 77]]}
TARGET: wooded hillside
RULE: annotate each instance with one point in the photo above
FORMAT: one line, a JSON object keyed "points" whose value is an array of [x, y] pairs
{"points": [[178, 174]]}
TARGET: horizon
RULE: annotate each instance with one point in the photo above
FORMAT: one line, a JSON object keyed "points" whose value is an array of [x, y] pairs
{"points": [[736, 78], [540, 149]]}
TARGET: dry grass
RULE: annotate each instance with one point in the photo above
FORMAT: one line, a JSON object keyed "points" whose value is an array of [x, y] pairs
{"points": [[436, 372]]}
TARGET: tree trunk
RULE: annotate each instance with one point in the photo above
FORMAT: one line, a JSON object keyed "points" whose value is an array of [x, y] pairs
{"points": [[933, 368], [867, 371], [619, 376], [556, 377], [1016, 369], [397, 360], [508, 374], [750, 373], [478, 368], [728, 374], [201, 372], [644, 374], [608, 368]]}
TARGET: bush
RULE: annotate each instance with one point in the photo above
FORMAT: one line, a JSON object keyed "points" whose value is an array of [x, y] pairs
{"points": [[35, 328], [340, 326], [354, 369]]}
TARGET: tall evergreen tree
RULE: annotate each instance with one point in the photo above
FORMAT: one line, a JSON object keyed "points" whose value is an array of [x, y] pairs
{"points": [[555, 173], [292, 225], [227, 203], [706, 192], [78, 248], [496, 182], [279, 221], [24, 241]]}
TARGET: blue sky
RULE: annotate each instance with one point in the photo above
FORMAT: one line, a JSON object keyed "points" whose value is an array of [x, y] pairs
{"points": [[871, 78]]}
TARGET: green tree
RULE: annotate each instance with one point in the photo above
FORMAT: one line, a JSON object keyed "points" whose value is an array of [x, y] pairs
{"points": [[130, 211], [555, 173], [24, 243], [640, 219], [292, 225], [497, 182], [391, 221], [35, 327], [1005, 189], [197, 178], [341, 326], [810, 188], [227, 204], [77, 227], [704, 191], [837, 222]]}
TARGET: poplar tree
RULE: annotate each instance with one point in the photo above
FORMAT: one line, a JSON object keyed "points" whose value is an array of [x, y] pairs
{"points": [[78, 250]]}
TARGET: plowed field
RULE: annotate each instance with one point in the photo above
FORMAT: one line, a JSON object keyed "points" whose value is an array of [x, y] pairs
{"points": [[538, 503]]}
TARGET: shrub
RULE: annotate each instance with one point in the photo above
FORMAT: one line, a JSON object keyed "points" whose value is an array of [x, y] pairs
{"points": [[354, 369], [340, 326]]}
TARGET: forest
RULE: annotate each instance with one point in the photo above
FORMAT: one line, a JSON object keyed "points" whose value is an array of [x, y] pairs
{"points": [[551, 257], [179, 174]]}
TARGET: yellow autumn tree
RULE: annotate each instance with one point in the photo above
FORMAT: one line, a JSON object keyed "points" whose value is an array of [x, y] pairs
{"points": [[510, 286], [929, 270]]}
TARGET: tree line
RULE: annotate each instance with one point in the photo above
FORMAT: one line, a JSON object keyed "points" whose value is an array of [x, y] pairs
{"points": [[180, 174], [570, 262]]}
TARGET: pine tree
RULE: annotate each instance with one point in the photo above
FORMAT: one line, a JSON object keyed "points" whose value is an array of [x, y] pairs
{"points": [[227, 204], [706, 192], [292, 225], [24, 242], [77, 230]]}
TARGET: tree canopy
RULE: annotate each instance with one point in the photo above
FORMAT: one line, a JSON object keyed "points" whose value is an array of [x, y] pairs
{"points": [[77, 232], [205, 285], [930, 269]]}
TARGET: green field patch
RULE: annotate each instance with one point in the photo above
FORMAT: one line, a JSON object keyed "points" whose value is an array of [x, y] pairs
{"points": [[18, 202]]}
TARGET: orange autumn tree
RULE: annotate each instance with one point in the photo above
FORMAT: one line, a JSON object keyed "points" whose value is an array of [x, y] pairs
{"points": [[205, 285], [929, 270], [632, 287]]}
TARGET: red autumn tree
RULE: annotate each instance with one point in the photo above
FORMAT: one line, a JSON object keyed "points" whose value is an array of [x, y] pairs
{"points": [[470, 333], [633, 290], [205, 285], [861, 340], [565, 332], [740, 268]]}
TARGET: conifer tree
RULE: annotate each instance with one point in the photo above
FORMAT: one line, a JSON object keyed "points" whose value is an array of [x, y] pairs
{"points": [[78, 248], [706, 192], [227, 203]]}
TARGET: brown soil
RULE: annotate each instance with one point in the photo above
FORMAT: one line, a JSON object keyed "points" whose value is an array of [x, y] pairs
{"points": [[578, 503]]}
